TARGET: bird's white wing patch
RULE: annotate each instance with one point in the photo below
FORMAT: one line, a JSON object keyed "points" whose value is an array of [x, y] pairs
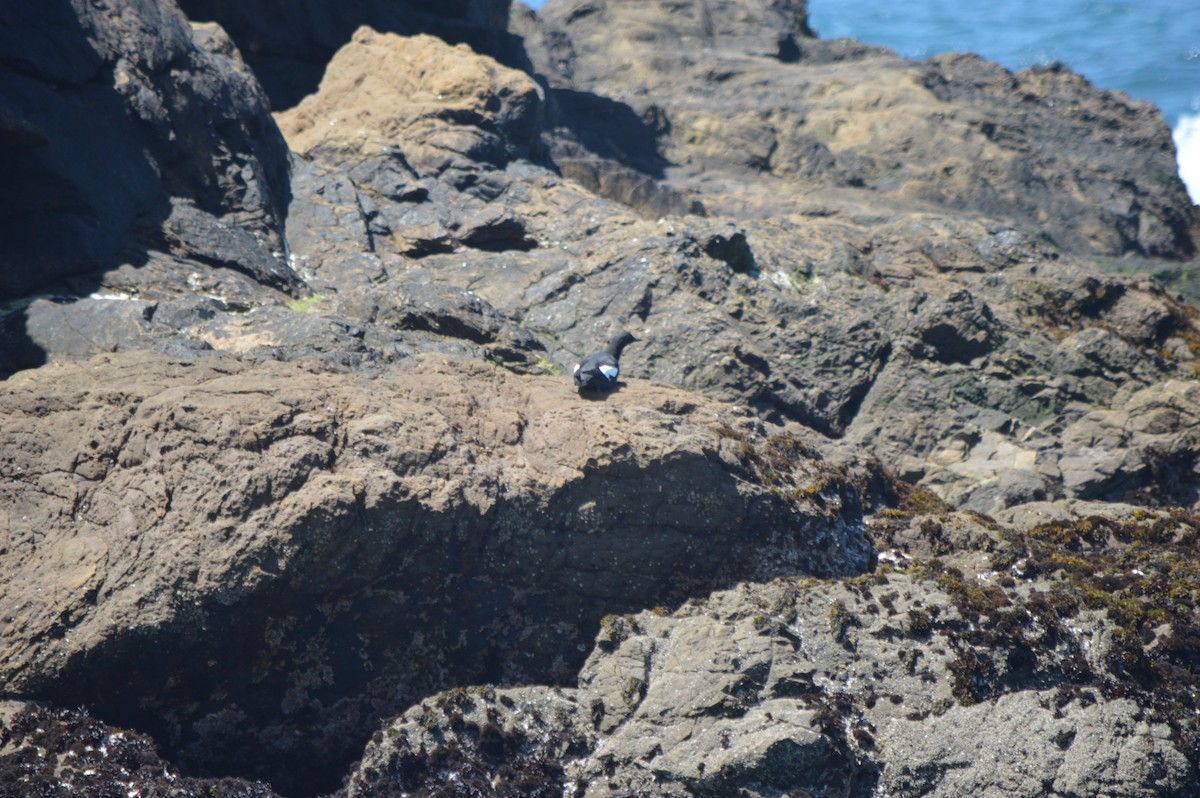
{"points": [[576, 369], [609, 371]]}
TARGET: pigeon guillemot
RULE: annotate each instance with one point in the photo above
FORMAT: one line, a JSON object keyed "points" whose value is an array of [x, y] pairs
{"points": [[599, 372]]}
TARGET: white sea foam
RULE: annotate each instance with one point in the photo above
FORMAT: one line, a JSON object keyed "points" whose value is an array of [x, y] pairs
{"points": [[1187, 147]]}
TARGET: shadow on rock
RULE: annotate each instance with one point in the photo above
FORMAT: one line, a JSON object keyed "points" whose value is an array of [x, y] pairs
{"points": [[17, 350], [601, 396], [612, 129]]}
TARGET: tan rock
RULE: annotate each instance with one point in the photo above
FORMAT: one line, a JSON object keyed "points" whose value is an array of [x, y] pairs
{"points": [[233, 548], [416, 94]]}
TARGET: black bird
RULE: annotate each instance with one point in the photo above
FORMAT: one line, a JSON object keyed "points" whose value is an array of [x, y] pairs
{"points": [[599, 372]]}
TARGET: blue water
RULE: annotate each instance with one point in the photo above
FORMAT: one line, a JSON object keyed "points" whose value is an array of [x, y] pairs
{"points": [[1148, 49]]}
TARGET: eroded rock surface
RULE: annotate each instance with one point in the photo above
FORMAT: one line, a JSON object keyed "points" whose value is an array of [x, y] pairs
{"points": [[944, 675], [956, 346], [936, 342], [257, 559], [739, 96]]}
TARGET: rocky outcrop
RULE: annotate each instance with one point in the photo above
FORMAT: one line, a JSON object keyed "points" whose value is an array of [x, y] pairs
{"points": [[127, 132], [950, 675], [266, 491], [258, 559], [934, 341], [740, 100], [956, 348], [429, 130]]}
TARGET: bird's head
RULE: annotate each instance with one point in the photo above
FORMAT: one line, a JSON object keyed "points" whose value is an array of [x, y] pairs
{"points": [[619, 342]]}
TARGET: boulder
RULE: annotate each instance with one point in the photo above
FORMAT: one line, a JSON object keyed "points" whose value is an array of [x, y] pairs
{"points": [[127, 132], [409, 148], [436, 104], [938, 674], [258, 558], [741, 98]]}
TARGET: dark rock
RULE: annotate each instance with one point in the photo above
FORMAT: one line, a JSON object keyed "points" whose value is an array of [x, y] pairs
{"points": [[734, 250], [613, 180], [510, 743], [115, 113], [65, 753], [1038, 118], [496, 231], [17, 350], [89, 326], [955, 329], [447, 311], [329, 224], [205, 238]]}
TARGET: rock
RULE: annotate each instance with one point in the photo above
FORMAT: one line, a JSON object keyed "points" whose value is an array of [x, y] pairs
{"points": [[1066, 512], [255, 558], [264, 492], [205, 238], [707, 326], [923, 337], [956, 132], [54, 752], [957, 346], [289, 51], [955, 330], [443, 107], [773, 313], [1143, 449], [407, 144], [119, 115], [490, 741], [918, 679], [1027, 744], [89, 326], [359, 329], [452, 313], [704, 707]]}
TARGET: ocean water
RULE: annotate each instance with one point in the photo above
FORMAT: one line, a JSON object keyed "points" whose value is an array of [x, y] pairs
{"points": [[1146, 48]]}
